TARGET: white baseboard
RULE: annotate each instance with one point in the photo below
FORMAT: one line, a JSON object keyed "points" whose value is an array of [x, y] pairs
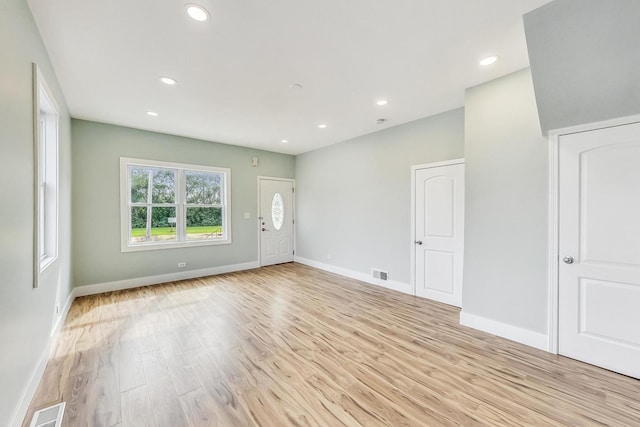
{"points": [[23, 405], [504, 330], [36, 376], [363, 277], [63, 315], [161, 278]]}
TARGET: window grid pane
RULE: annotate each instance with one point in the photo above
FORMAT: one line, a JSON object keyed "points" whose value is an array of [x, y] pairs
{"points": [[204, 223], [152, 224], [164, 186], [203, 188]]}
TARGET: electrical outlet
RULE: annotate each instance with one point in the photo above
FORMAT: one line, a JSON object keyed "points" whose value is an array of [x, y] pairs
{"points": [[379, 274], [182, 264]]}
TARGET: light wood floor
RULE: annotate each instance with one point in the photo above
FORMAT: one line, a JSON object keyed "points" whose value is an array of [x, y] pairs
{"points": [[290, 345]]}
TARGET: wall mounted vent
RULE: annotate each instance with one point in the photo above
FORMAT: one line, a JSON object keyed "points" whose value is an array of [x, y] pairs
{"points": [[379, 274], [49, 417]]}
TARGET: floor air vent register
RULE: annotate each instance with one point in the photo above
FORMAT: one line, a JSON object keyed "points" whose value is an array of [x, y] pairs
{"points": [[48, 417]]}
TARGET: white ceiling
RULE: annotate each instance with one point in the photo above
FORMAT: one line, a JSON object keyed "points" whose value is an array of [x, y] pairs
{"points": [[234, 71]]}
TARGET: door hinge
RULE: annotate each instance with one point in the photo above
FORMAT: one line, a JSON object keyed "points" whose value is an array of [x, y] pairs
{"points": [[293, 190], [294, 252]]}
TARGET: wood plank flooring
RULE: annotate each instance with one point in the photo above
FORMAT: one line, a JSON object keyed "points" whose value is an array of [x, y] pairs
{"points": [[290, 345]]}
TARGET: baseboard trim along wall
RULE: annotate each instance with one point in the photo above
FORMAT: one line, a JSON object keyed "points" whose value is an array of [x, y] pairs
{"points": [[161, 278], [38, 372], [363, 277], [504, 330]]}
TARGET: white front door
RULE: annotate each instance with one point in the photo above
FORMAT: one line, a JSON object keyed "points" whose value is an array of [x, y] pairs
{"points": [[599, 248], [439, 232], [276, 221]]}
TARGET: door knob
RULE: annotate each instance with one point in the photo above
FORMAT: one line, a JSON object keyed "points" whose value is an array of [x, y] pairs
{"points": [[418, 242], [264, 229], [568, 260]]}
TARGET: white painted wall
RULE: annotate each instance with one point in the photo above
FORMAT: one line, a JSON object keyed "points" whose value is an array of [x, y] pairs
{"points": [[584, 60], [26, 315], [354, 198], [506, 215]]}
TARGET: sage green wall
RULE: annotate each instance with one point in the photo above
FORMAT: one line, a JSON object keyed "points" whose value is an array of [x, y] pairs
{"points": [[97, 149], [506, 211], [585, 60], [354, 198], [27, 315]]}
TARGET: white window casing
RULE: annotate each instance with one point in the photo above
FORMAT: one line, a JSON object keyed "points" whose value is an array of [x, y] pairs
{"points": [[45, 129], [167, 182]]}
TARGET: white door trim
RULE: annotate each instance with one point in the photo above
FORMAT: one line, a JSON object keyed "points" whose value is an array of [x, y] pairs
{"points": [[293, 208], [552, 297], [554, 191], [414, 168]]}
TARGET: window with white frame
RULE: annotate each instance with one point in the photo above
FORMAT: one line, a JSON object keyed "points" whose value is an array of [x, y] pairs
{"points": [[46, 175], [168, 205]]}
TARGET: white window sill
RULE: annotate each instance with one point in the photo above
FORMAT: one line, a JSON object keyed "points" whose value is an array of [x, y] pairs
{"points": [[151, 246], [46, 261]]}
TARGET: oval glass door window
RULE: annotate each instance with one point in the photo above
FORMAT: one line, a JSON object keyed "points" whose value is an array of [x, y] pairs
{"points": [[277, 211]]}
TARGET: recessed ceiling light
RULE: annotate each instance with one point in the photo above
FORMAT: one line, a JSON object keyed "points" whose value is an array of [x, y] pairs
{"points": [[382, 102], [152, 113], [197, 12], [488, 60], [168, 80], [284, 141], [322, 126]]}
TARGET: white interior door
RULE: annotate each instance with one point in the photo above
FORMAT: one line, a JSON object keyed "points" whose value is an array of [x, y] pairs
{"points": [[599, 248], [439, 232], [276, 221]]}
